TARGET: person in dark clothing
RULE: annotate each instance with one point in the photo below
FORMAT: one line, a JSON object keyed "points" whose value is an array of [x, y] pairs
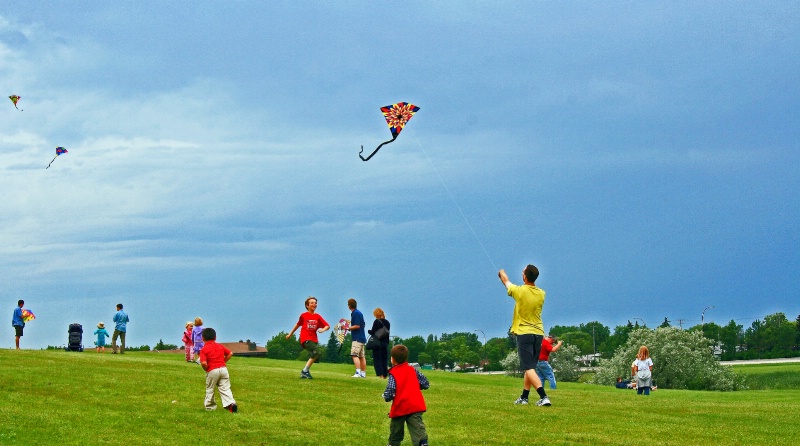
{"points": [[380, 355]]}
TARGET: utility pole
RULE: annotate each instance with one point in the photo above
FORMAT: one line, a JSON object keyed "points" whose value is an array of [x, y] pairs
{"points": [[703, 316], [680, 323]]}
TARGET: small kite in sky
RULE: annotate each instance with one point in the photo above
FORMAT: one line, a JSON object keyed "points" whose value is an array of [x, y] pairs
{"points": [[340, 330], [14, 98], [397, 116], [27, 316], [59, 151]]}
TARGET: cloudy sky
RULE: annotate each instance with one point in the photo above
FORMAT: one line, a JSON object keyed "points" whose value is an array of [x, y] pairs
{"points": [[644, 156]]}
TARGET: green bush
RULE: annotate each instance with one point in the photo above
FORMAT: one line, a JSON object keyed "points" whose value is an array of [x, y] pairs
{"points": [[681, 360], [564, 363]]}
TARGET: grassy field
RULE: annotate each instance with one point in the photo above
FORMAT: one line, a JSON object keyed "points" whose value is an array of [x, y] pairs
{"points": [[53, 397]]}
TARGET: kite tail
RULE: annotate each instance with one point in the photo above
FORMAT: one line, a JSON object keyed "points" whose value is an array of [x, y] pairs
{"points": [[51, 162], [376, 150]]}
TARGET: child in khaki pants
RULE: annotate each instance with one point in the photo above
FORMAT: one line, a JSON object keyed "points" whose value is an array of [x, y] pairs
{"points": [[404, 390]]}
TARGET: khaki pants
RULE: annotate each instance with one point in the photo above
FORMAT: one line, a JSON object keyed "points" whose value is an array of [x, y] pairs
{"points": [[218, 378], [121, 336], [416, 428]]}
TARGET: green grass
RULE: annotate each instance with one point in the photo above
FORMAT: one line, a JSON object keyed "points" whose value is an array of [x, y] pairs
{"points": [[63, 398], [770, 376]]}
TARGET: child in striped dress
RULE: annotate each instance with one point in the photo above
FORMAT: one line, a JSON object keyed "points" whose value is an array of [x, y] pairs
{"points": [[188, 343]]}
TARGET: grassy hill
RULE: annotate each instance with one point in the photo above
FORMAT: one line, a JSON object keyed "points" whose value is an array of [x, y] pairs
{"points": [[144, 398]]}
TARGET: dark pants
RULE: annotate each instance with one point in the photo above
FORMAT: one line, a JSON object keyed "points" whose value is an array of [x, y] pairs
{"points": [[380, 359], [416, 428], [121, 336]]}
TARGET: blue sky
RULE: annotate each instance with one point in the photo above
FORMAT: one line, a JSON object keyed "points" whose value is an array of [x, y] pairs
{"points": [[644, 156]]}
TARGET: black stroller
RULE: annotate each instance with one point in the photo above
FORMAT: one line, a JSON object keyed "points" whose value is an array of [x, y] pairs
{"points": [[75, 338]]}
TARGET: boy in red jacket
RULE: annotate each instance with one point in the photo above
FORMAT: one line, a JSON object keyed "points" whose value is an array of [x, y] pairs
{"points": [[213, 357], [404, 391]]}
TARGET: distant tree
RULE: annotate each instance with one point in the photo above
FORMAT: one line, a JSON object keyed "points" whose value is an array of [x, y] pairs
{"points": [[731, 337], [281, 348], [620, 337], [511, 364], [599, 333], [415, 346], [565, 364], [665, 324], [332, 354], [162, 346], [559, 330], [683, 360], [580, 340]]}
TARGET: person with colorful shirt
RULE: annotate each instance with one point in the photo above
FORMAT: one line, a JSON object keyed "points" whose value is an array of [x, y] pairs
{"points": [[197, 338], [188, 344], [17, 322], [213, 359], [310, 323], [527, 325], [543, 368], [121, 320], [102, 334], [404, 389]]}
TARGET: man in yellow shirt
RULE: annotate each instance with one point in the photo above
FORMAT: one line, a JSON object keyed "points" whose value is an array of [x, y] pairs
{"points": [[528, 328]]}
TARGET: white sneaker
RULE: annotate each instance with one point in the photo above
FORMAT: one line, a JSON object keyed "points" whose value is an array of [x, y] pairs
{"points": [[363, 374], [543, 402], [521, 400], [356, 375]]}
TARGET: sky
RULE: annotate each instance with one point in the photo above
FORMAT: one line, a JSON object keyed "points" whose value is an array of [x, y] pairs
{"points": [[643, 156]]}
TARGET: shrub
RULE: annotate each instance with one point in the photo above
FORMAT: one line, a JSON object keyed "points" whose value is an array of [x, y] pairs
{"points": [[681, 360], [564, 363], [511, 364]]}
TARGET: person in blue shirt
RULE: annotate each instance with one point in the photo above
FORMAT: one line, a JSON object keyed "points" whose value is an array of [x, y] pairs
{"points": [[359, 339], [121, 320], [17, 322]]}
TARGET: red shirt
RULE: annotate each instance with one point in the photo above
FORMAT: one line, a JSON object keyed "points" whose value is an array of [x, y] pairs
{"points": [[309, 323], [547, 347], [214, 355], [408, 397]]}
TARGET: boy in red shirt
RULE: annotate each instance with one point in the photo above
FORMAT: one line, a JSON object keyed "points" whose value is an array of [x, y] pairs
{"points": [[404, 391], [213, 357], [311, 324]]}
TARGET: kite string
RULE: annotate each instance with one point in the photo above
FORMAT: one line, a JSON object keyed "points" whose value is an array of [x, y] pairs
{"points": [[450, 194]]}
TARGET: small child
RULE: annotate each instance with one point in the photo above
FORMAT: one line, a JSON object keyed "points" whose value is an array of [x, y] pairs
{"points": [[188, 343], [102, 334], [197, 338], [404, 391], [212, 358]]}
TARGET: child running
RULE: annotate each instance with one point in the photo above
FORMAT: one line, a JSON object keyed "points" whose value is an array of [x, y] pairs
{"points": [[311, 324], [212, 358], [188, 344], [404, 391], [102, 334]]}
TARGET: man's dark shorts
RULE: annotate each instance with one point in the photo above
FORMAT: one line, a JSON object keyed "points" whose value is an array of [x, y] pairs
{"points": [[311, 346], [18, 328], [528, 348]]}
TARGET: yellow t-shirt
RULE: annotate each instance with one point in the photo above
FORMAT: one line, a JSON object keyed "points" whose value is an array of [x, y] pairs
{"points": [[529, 301]]}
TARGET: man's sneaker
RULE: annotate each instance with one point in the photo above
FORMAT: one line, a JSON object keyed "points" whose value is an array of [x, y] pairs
{"points": [[233, 408], [521, 400], [356, 375], [543, 402], [305, 375], [363, 374]]}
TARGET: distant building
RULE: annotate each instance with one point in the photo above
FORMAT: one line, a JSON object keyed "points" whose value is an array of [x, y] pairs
{"points": [[246, 348]]}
